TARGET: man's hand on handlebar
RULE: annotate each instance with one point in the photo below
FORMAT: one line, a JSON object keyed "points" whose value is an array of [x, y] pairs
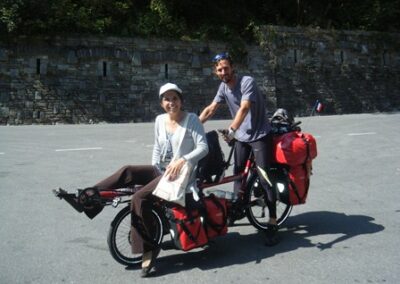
{"points": [[228, 136]]}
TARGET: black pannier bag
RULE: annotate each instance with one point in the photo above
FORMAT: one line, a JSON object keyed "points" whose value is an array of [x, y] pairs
{"points": [[211, 168]]}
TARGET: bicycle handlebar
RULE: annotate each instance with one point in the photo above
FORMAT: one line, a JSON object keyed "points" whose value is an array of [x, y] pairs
{"points": [[224, 133]]}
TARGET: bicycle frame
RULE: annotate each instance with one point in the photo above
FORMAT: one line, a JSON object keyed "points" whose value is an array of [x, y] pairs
{"points": [[114, 197], [249, 165]]}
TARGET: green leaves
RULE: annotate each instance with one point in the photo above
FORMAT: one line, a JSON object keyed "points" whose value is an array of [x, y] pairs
{"points": [[235, 21], [9, 18]]}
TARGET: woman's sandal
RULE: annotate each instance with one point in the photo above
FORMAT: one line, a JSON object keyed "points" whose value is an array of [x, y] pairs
{"points": [[148, 260], [70, 198]]}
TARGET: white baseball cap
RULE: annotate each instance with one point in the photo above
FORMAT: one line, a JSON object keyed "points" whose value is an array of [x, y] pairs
{"points": [[169, 87]]}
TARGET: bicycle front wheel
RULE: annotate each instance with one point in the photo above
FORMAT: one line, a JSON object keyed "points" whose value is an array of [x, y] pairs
{"points": [[119, 237], [257, 210]]}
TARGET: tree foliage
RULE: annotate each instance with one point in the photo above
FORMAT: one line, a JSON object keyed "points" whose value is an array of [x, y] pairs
{"points": [[207, 19]]}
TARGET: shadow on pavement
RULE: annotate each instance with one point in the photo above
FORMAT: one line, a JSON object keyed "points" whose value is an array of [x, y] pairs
{"points": [[324, 223], [235, 249]]}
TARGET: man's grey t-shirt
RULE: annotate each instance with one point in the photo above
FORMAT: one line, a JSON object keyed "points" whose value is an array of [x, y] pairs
{"points": [[255, 124]]}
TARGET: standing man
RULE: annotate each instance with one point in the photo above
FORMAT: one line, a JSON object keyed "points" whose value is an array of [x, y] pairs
{"points": [[249, 127]]}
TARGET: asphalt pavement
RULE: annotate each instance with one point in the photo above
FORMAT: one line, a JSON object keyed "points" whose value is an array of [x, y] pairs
{"points": [[347, 232]]}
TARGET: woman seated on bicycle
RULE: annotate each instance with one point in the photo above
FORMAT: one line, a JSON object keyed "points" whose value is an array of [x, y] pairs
{"points": [[192, 148], [166, 158]]}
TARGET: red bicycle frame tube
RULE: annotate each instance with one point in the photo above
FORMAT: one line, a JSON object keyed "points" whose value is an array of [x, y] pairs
{"points": [[240, 176]]}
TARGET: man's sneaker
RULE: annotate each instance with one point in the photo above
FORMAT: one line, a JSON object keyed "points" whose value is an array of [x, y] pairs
{"points": [[272, 237]]}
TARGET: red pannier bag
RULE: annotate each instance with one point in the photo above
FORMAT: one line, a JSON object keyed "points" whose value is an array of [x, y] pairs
{"points": [[186, 228], [297, 150], [294, 148], [299, 182], [215, 221]]}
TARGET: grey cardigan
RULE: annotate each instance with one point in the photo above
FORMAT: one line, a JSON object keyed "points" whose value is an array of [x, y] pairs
{"points": [[194, 145]]}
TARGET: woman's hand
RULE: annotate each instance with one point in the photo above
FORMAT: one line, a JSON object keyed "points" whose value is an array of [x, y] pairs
{"points": [[174, 168]]}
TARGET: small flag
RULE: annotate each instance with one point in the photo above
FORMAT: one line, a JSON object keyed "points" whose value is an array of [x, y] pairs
{"points": [[319, 107]]}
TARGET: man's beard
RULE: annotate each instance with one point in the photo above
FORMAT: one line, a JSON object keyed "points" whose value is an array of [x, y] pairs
{"points": [[227, 79]]}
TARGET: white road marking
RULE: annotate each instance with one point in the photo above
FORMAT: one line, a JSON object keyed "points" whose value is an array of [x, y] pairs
{"points": [[78, 149], [358, 134], [2, 153]]}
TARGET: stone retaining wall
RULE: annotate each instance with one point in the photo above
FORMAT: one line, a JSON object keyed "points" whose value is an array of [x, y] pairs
{"points": [[94, 79]]}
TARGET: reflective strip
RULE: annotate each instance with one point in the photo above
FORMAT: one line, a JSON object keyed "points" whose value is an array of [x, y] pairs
{"points": [[264, 175]]}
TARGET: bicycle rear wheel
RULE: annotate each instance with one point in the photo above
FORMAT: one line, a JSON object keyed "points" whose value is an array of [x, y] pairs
{"points": [[257, 210], [119, 237]]}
